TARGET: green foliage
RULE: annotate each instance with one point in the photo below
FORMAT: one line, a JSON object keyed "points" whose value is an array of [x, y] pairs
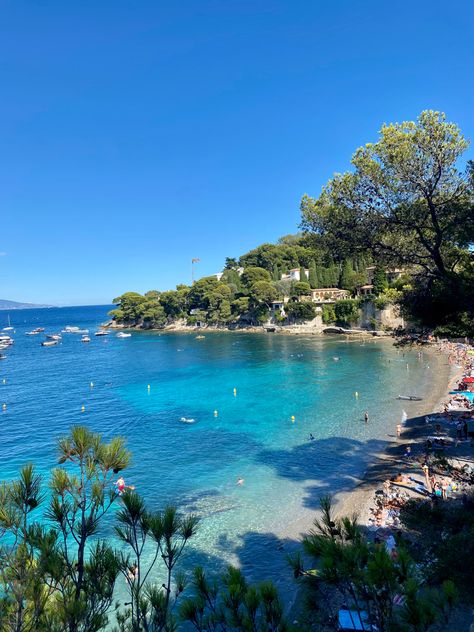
{"points": [[286, 256], [130, 307], [347, 311], [301, 288], [253, 274], [313, 275], [232, 604], [380, 282], [388, 297], [409, 205], [151, 536], [300, 311], [263, 292], [367, 577], [329, 315]]}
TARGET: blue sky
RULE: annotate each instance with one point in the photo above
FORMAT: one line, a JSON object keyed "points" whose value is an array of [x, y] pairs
{"points": [[137, 135]]}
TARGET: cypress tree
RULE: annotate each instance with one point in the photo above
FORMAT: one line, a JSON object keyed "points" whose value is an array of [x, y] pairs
{"points": [[380, 280], [303, 276], [313, 275], [276, 274]]}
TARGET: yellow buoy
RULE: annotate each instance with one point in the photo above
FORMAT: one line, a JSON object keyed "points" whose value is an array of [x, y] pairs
{"points": [[292, 418], [83, 409], [215, 413]]}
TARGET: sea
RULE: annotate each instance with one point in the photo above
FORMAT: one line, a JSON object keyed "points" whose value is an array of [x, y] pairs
{"points": [[250, 401]]}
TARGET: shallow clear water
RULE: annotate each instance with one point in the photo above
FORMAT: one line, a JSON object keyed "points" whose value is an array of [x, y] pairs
{"points": [[196, 465]]}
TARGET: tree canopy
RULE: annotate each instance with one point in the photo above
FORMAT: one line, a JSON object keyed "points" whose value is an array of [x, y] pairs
{"points": [[406, 199]]}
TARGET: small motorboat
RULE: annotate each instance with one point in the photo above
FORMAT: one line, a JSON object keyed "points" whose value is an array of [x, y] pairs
{"points": [[3, 356], [70, 330], [102, 332], [85, 339], [6, 341], [187, 420], [8, 329], [122, 334], [49, 343], [200, 337], [54, 336], [410, 398], [83, 332], [32, 333], [39, 329]]}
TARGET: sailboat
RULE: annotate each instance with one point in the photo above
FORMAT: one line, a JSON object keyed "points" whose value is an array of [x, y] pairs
{"points": [[9, 328]]}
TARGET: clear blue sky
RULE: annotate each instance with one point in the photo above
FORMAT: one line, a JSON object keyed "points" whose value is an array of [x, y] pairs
{"points": [[137, 135]]}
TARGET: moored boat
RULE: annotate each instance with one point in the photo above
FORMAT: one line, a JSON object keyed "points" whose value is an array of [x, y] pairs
{"points": [[102, 332], [85, 339], [54, 336], [410, 398], [49, 343], [6, 341], [122, 334]]}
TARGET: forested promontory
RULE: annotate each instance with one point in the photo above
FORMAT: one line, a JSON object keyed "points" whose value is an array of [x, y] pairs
{"points": [[398, 227]]}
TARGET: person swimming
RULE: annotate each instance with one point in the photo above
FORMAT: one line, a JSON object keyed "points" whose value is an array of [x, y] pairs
{"points": [[311, 438], [240, 481]]}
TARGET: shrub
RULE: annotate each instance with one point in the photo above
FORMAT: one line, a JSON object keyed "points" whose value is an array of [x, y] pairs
{"points": [[347, 310]]}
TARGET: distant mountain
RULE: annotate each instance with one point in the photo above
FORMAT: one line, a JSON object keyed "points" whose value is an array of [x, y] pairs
{"points": [[14, 305]]}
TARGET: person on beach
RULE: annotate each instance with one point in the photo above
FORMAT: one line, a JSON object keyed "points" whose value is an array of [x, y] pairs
{"points": [[366, 417], [444, 489], [407, 454], [399, 430]]}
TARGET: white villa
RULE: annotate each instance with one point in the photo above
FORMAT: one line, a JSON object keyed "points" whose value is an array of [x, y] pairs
{"points": [[294, 275]]}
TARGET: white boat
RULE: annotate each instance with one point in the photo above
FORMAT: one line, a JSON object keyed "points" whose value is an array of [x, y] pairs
{"points": [[9, 328], [85, 339], [122, 334], [54, 336], [6, 340], [102, 332], [3, 357], [81, 331], [32, 333], [70, 330], [49, 343]]}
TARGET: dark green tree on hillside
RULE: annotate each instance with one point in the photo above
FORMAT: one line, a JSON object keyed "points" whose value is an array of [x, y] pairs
{"points": [[380, 282], [405, 199], [253, 274], [313, 275]]}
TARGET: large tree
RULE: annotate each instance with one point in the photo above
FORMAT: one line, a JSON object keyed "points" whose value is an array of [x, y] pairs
{"points": [[406, 199]]}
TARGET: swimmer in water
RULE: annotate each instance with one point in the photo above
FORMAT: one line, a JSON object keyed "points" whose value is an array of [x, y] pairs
{"points": [[240, 481], [311, 438], [366, 417]]}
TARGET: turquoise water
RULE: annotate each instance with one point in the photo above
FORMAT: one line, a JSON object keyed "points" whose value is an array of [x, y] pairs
{"points": [[253, 436]]}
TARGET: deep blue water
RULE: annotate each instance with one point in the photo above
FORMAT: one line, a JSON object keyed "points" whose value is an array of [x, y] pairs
{"points": [[253, 435]]}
